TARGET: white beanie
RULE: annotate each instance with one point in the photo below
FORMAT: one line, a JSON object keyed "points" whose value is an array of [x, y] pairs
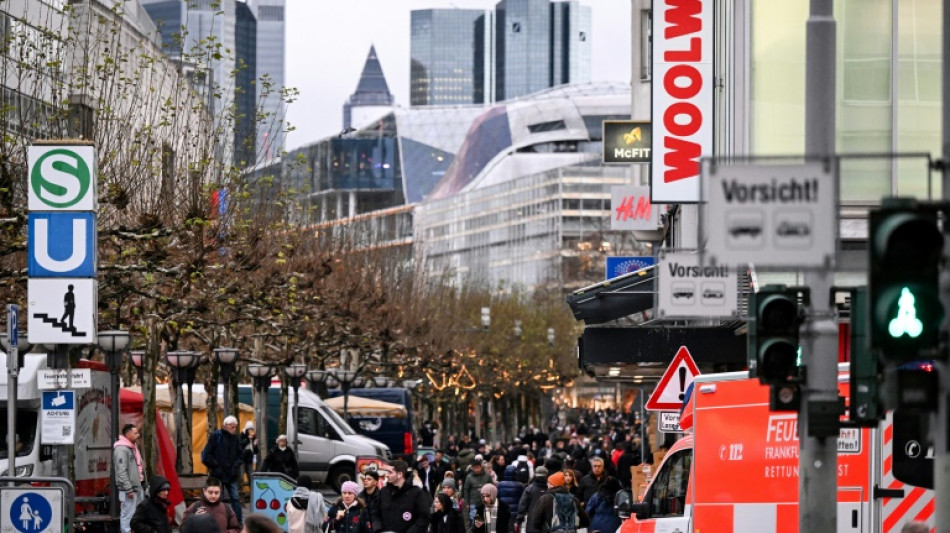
{"points": [[249, 425]]}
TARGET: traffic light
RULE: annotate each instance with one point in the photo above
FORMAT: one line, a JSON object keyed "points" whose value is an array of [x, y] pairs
{"points": [[865, 408], [775, 317], [904, 248]]}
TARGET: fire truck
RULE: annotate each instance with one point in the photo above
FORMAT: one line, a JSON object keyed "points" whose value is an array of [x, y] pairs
{"points": [[736, 469]]}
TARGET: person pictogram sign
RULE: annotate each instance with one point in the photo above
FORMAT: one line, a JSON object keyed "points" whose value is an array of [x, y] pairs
{"points": [[671, 390]]}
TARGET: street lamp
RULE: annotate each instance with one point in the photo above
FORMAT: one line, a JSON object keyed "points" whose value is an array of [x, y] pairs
{"points": [[178, 361], [138, 359], [345, 379], [262, 375], [113, 342], [381, 381], [296, 372], [226, 358], [551, 337]]}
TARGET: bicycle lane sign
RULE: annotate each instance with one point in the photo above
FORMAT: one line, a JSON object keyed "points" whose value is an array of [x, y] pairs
{"points": [[31, 510]]}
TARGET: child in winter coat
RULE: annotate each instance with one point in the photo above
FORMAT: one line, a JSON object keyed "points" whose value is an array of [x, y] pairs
{"points": [[349, 515]]}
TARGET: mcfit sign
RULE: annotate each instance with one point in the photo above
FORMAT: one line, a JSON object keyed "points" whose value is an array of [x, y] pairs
{"points": [[627, 141], [62, 244]]}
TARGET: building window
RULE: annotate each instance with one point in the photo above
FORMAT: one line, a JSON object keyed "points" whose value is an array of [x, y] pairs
{"points": [[516, 27], [553, 125], [270, 14]]}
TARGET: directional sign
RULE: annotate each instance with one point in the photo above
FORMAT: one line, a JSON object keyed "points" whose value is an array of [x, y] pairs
{"points": [[62, 310], [687, 289], [61, 245], [13, 328], [771, 215], [31, 510], [670, 391], [62, 178], [58, 417], [76, 378]]}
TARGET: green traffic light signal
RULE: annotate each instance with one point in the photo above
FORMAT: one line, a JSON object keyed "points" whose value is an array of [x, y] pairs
{"points": [[905, 247]]}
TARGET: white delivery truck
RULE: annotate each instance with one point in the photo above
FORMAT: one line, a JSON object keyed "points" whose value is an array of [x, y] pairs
{"points": [[328, 445]]}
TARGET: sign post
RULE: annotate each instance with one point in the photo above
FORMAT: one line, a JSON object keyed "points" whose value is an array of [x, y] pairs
{"points": [[13, 372]]}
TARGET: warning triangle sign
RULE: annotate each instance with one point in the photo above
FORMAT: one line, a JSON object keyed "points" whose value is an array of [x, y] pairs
{"points": [[670, 391]]}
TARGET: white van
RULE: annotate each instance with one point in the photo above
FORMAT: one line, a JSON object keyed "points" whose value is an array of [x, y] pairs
{"points": [[328, 445]]}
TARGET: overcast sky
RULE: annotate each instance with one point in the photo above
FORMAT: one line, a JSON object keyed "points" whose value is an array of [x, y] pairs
{"points": [[328, 40]]}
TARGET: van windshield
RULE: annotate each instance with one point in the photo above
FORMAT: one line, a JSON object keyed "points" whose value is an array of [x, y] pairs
{"points": [[25, 432], [345, 428]]}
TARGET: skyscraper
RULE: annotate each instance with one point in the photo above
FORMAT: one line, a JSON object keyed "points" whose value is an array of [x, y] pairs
{"points": [[464, 56], [271, 32], [570, 43], [523, 33], [245, 97], [450, 56], [372, 98]]}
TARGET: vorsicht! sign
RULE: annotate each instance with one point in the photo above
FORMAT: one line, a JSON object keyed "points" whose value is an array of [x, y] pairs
{"points": [[771, 215], [682, 97]]}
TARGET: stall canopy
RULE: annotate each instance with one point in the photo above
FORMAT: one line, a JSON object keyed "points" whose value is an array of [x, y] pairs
{"points": [[367, 407], [199, 420]]}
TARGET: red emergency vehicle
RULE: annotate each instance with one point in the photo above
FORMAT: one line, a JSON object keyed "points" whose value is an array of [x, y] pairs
{"points": [[736, 470]]}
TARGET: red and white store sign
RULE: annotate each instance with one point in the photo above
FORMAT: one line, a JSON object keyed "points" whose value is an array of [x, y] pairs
{"points": [[682, 97]]}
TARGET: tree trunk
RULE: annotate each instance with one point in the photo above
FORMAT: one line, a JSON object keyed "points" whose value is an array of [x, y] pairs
{"points": [[152, 349]]}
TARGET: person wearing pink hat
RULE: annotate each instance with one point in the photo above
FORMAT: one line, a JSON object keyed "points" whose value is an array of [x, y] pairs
{"points": [[349, 514]]}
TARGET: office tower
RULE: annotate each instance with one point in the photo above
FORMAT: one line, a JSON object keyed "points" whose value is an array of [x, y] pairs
{"points": [[524, 43], [372, 98], [245, 98], [450, 56], [271, 32], [570, 43], [192, 33]]}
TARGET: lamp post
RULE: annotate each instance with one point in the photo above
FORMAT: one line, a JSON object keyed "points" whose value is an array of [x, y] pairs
{"points": [[262, 375], [226, 358], [113, 342], [178, 361], [138, 358], [346, 379], [295, 372]]}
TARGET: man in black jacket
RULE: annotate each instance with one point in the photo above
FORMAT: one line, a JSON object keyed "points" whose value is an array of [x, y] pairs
{"points": [[534, 490], [403, 507], [222, 455]]}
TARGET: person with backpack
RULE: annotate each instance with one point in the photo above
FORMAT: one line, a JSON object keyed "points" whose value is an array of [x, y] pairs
{"points": [[534, 490], [600, 507], [222, 455], [210, 504], [557, 510], [524, 470]]}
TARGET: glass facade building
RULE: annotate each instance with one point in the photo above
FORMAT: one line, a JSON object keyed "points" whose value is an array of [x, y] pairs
{"points": [[372, 98], [462, 56], [888, 86], [271, 30], [245, 127], [450, 50]]}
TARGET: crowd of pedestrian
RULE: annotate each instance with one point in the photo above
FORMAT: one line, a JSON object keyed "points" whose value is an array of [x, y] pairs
{"points": [[561, 481]]}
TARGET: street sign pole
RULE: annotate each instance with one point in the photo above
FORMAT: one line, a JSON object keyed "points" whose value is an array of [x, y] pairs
{"points": [[941, 425], [818, 460], [13, 371]]}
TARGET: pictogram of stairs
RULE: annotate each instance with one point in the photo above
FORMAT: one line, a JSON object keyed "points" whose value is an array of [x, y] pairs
{"points": [[61, 325]]}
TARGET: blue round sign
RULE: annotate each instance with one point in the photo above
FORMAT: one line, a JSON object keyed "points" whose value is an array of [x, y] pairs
{"points": [[30, 513]]}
